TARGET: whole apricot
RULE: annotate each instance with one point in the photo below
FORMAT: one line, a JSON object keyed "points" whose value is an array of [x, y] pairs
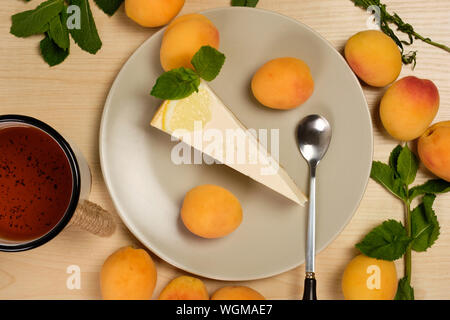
{"points": [[184, 37], [408, 107], [152, 13], [184, 288], [283, 83], [237, 293], [128, 274], [211, 211], [434, 149], [369, 279], [374, 57]]}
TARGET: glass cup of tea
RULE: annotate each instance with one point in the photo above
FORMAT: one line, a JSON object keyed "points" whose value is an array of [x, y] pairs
{"points": [[45, 183]]}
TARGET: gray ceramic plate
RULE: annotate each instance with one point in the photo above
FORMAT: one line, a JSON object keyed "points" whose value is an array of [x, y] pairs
{"points": [[148, 189]]}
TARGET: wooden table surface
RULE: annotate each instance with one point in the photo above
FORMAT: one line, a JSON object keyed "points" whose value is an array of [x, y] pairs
{"points": [[70, 97]]}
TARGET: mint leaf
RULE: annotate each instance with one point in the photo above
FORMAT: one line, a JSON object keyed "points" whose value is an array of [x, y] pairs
{"points": [[208, 62], [109, 6], [393, 158], [176, 84], [388, 241], [431, 186], [424, 224], [87, 36], [35, 21], [407, 165], [386, 176], [404, 290], [58, 31], [244, 3], [51, 52]]}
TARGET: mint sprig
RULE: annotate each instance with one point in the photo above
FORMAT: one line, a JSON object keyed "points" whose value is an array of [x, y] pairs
{"points": [[244, 3], [424, 224], [50, 19], [388, 241], [208, 62], [388, 177], [31, 22], [109, 6], [182, 82], [176, 84], [51, 52], [404, 290], [391, 239], [58, 31], [87, 36]]}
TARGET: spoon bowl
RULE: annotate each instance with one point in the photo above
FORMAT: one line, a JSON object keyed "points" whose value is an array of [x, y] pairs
{"points": [[313, 138]]}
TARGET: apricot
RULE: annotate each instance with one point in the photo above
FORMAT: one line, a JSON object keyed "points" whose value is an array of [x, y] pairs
{"points": [[369, 279], [283, 83], [374, 57], [152, 13], [128, 274], [184, 37], [408, 107], [211, 211], [237, 293], [434, 149], [184, 288]]}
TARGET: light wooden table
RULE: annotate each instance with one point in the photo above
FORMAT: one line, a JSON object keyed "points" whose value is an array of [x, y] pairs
{"points": [[70, 97]]}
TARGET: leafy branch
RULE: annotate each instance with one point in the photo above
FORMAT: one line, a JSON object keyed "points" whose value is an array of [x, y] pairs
{"points": [[51, 18], [386, 19], [392, 240]]}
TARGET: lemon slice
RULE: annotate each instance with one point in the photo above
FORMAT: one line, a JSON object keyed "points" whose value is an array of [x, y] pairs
{"points": [[182, 114]]}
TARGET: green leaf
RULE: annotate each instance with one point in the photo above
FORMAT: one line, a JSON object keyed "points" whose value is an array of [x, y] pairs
{"points": [[58, 31], [35, 21], [404, 290], [388, 241], [87, 36], [393, 158], [424, 224], [386, 176], [176, 84], [407, 165], [244, 3], [431, 186], [51, 52], [208, 62], [109, 6]]}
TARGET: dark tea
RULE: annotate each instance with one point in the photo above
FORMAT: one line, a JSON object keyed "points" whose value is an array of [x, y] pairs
{"points": [[35, 183]]}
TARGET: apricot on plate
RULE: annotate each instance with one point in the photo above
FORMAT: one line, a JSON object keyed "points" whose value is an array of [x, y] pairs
{"points": [[152, 13], [434, 149], [184, 288], [184, 37], [283, 83], [128, 274], [237, 293], [408, 107], [374, 57], [211, 211], [369, 279]]}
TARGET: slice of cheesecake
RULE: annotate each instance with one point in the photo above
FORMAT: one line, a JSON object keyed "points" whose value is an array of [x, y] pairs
{"points": [[205, 123]]}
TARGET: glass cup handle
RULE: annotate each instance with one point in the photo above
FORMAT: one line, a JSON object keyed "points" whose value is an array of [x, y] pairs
{"points": [[94, 219]]}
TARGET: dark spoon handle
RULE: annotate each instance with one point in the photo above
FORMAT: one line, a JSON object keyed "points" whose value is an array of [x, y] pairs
{"points": [[309, 291]]}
